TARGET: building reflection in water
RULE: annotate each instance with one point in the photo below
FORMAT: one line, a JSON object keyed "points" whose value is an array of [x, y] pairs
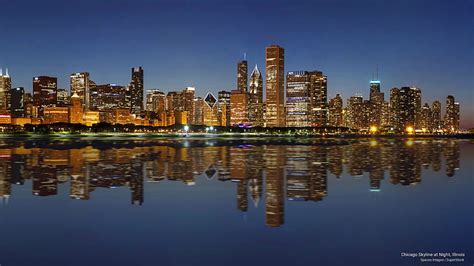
{"points": [[262, 173]]}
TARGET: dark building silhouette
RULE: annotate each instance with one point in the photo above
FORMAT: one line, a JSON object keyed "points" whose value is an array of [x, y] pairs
{"points": [[45, 91], [136, 91]]}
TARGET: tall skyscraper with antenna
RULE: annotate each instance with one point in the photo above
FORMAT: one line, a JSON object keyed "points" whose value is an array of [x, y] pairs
{"points": [[5, 87], [136, 89]]}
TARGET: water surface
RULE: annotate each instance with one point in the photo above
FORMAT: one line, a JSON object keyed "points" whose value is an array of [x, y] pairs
{"points": [[234, 202]]}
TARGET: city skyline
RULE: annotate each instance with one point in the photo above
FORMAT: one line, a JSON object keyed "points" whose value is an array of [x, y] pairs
{"points": [[440, 44]]}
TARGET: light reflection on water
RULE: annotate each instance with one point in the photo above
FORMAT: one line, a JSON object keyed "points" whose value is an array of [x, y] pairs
{"points": [[270, 177]]}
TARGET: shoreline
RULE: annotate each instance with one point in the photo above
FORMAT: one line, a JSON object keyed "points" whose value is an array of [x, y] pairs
{"points": [[120, 135]]}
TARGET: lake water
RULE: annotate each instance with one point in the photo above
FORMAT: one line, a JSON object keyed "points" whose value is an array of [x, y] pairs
{"points": [[219, 201]]}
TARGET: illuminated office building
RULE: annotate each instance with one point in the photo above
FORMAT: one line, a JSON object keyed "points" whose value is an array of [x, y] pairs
{"points": [[406, 108], [5, 87], [451, 117], [242, 76], [155, 102], [297, 99], [376, 99], [239, 107], [108, 96], [256, 98], [355, 105], [62, 98], [210, 111], [198, 111], [335, 111], [318, 101], [45, 91], [80, 85], [17, 107], [395, 109], [275, 86], [223, 98], [55, 114], [385, 114], [426, 117], [136, 91], [436, 115], [188, 104]]}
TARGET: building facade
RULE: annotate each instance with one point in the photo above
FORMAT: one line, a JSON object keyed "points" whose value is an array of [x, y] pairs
{"points": [[5, 87], [80, 85], [136, 91], [275, 86], [256, 98], [17, 102], [45, 90], [297, 99]]}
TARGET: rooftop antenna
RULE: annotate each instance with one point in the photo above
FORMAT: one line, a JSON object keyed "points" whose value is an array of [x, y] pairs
{"points": [[377, 72], [7, 72], [1, 72], [245, 56]]}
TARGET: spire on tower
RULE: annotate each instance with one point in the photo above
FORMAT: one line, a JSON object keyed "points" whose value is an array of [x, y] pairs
{"points": [[255, 70], [245, 56], [1, 72], [6, 74]]}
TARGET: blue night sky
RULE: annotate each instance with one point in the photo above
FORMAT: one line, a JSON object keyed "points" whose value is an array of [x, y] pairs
{"points": [[428, 44]]}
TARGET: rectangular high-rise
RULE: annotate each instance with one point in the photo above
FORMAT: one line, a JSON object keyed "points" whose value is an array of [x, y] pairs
{"points": [[80, 85], [136, 91], [45, 90], [318, 99], [297, 99], [5, 87], [275, 86], [242, 69], [18, 102]]}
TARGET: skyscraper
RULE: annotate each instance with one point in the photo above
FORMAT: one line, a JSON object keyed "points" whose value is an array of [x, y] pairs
{"points": [[256, 98], [376, 100], [18, 102], [155, 102], [355, 106], [188, 103], [297, 99], [136, 91], [395, 109], [45, 90], [242, 76], [239, 107], [275, 87], [108, 97], [80, 85], [426, 117], [451, 117], [318, 99], [335, 111], [436, 116], [409, 109], [210, 110], [239, 100], [223, 99], [62, 97], [5, 87]]}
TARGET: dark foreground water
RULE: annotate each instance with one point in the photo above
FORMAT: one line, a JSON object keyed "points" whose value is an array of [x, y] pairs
{"points": [[235, 202]]}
